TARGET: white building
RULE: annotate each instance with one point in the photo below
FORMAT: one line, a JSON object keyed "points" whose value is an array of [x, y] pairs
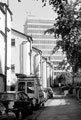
{"points": [[21, 54], [40, 68], [50, 75], [36, 63], [5, 46], [44, 72], [45, 42]]}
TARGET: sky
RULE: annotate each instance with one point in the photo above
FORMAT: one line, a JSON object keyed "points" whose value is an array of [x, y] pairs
{"points": [[21, 9]]}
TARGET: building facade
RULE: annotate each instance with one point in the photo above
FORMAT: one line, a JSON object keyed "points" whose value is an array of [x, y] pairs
{"points": [[45, 42], [44, 72], [27, 60], [5, 46], [36, 63], [21, 54]]}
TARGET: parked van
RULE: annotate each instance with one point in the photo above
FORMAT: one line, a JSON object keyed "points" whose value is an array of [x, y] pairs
{"points": [[31, 86]]}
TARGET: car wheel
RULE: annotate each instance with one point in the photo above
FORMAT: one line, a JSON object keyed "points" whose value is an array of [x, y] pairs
{"points": [[36, 104], [43, 104]]}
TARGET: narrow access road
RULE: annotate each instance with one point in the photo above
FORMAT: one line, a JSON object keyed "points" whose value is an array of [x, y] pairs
{"points": [[59, 108]]}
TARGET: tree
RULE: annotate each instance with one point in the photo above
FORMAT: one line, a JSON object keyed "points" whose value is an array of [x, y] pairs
{"points": [[65, 78], [67, 27]]}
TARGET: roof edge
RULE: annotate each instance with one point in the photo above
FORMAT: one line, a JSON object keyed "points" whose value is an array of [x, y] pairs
{"points": [[28, 37]]}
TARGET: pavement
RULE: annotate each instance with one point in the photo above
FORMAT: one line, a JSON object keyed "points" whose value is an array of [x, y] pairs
{"points": [[61, 107]]}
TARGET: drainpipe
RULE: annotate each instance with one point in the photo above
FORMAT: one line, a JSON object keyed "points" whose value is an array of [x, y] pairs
{"points": [[6, 49], [24, 42], [30, 57]]}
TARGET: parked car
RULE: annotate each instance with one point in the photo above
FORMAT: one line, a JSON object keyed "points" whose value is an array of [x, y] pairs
{"points": [[78, 93], [6, 114], [65, 88], [41, 97], [50, 92], [46, 94], [31, 86], [39, 102], [19, 103]]}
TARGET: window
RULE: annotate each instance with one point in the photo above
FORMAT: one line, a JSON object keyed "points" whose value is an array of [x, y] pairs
{"points": [[56, 73], [21, 86], [30, 87], [12, 42], [13, 68]]}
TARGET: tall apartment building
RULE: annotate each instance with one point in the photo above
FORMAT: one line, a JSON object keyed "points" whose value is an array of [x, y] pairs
{"points": [[36, 27]]}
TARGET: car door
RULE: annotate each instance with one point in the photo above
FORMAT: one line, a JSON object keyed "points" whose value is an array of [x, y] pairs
{"points": [[26, 102]]}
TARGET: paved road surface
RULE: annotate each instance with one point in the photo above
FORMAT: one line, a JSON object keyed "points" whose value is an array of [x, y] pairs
{"points": [[59, 108]]}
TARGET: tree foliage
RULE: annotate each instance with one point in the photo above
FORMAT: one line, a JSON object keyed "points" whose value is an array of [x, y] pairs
{"points": [[67, 27], [65, 77]]}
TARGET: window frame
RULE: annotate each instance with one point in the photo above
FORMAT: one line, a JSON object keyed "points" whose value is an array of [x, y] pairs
{"points": [[13, 42]]}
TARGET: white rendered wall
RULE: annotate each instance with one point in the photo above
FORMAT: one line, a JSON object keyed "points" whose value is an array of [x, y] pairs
{"points": [[2, 43], [44, 74], [48, 75], [37, 65], [26, 58], [18, 53], [33, 61]]}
